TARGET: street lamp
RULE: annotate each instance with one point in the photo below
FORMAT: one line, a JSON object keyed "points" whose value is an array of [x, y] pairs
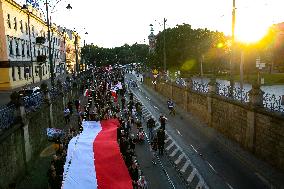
{"points": [[49, 41], [232, 48]]}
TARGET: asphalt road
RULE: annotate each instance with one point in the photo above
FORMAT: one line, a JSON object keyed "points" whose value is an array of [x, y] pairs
{"points": [[217, 163]]}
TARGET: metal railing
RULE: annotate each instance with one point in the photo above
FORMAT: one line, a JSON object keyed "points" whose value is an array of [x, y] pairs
{"points": [[273, 102], [31, 103], [238, 93], [200, 87], [7, 114]]}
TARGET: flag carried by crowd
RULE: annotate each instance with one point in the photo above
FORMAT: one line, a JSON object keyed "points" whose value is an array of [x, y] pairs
{"points": [[94, 160]]}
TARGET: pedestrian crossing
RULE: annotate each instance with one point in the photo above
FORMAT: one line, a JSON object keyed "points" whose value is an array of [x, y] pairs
{"points": [[181, 161]]}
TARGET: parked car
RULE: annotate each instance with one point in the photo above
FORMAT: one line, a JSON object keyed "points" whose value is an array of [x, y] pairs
{"points": [[31, 98], [29, 92]]}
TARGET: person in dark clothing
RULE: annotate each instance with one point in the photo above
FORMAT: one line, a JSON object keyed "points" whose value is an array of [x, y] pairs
{"points": [[70, 107], [150, 126], [161, 140], [163, 120], [134, 174], [123, 102], [77, 104]]}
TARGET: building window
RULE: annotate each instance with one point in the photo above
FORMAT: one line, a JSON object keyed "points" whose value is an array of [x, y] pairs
{"points": [[10, 44], [19, 73], [27, 28], [15, 23], [9, 21], [28, 50], [17, 48], [33, 31], [13, 73], [34, 51], [21, 26], [23, 49]]}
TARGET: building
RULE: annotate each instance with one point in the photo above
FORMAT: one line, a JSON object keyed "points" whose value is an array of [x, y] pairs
{"points": [[24, 46]]}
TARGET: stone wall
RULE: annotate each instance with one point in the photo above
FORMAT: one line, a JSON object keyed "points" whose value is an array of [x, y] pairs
{"points": [[24, 141], [254, 128], [12, 164], [269, 138]]}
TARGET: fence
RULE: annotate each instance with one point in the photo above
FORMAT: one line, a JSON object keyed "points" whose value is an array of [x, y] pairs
{"points": [[270, 101]]}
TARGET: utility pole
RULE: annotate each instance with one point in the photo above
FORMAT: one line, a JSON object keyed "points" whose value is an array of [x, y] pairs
{"points": [[49, 47], [76, 53], [164, 48], [232, 48]]}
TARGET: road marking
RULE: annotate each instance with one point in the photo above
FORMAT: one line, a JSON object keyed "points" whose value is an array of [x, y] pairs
{"points": [[179, 158], [167, 140], [178, 132], [193, 148], [174, 152], [184, 166], [170, 146], [211, 167], [262, 179], [191, 176], [229, 185], [156, 107], [200, 184]]}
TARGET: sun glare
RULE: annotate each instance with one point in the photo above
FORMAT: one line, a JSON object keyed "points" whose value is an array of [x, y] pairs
{"points": [[251, 35]]}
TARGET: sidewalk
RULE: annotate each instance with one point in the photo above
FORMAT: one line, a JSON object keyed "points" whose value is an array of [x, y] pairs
{"points": [[36, 178]]}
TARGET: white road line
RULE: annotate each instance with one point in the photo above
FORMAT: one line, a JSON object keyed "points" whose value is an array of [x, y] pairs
{"points": [[184, 166], [178, 132], [170, 146], [229, 186], [167, 140], [174, 152], [193, 148], [211, 167], [199, 185], [191, 176], [262, 178], [179, 158]]}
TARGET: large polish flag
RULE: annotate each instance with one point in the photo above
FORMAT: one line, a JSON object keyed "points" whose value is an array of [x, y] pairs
{"points": [[94, 160]]}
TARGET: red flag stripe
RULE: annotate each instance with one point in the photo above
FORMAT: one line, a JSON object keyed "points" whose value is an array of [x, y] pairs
{"points": [[110, 167]]}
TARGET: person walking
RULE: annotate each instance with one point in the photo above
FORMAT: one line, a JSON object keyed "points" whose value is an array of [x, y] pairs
{"points": [[67, 115], [150, 126], [163, 120], [161, 140]]}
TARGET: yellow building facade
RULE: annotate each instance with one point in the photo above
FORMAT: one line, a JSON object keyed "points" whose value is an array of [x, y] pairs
{"points": [[22, 60]]}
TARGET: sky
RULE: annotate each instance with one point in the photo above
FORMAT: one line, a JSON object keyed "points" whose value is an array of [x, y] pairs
{"points": [[112, 23]]}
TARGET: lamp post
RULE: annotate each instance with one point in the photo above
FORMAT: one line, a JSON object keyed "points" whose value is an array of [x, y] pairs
{"points": [[232, 48], [164, 46], [49, 41], [77, 69]]}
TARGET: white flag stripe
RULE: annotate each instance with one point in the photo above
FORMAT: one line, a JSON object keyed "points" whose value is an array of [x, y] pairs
{"points": [[81, 172]]}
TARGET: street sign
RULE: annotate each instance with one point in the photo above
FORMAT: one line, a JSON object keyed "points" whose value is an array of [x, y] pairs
{"points": [[155, 72]]}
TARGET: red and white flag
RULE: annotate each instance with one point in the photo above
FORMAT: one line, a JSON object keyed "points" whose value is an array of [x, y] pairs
{"points": [[94, 160]]}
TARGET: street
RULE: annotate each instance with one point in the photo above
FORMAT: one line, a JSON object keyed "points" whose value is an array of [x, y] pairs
{"points": [[216, 160]]}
